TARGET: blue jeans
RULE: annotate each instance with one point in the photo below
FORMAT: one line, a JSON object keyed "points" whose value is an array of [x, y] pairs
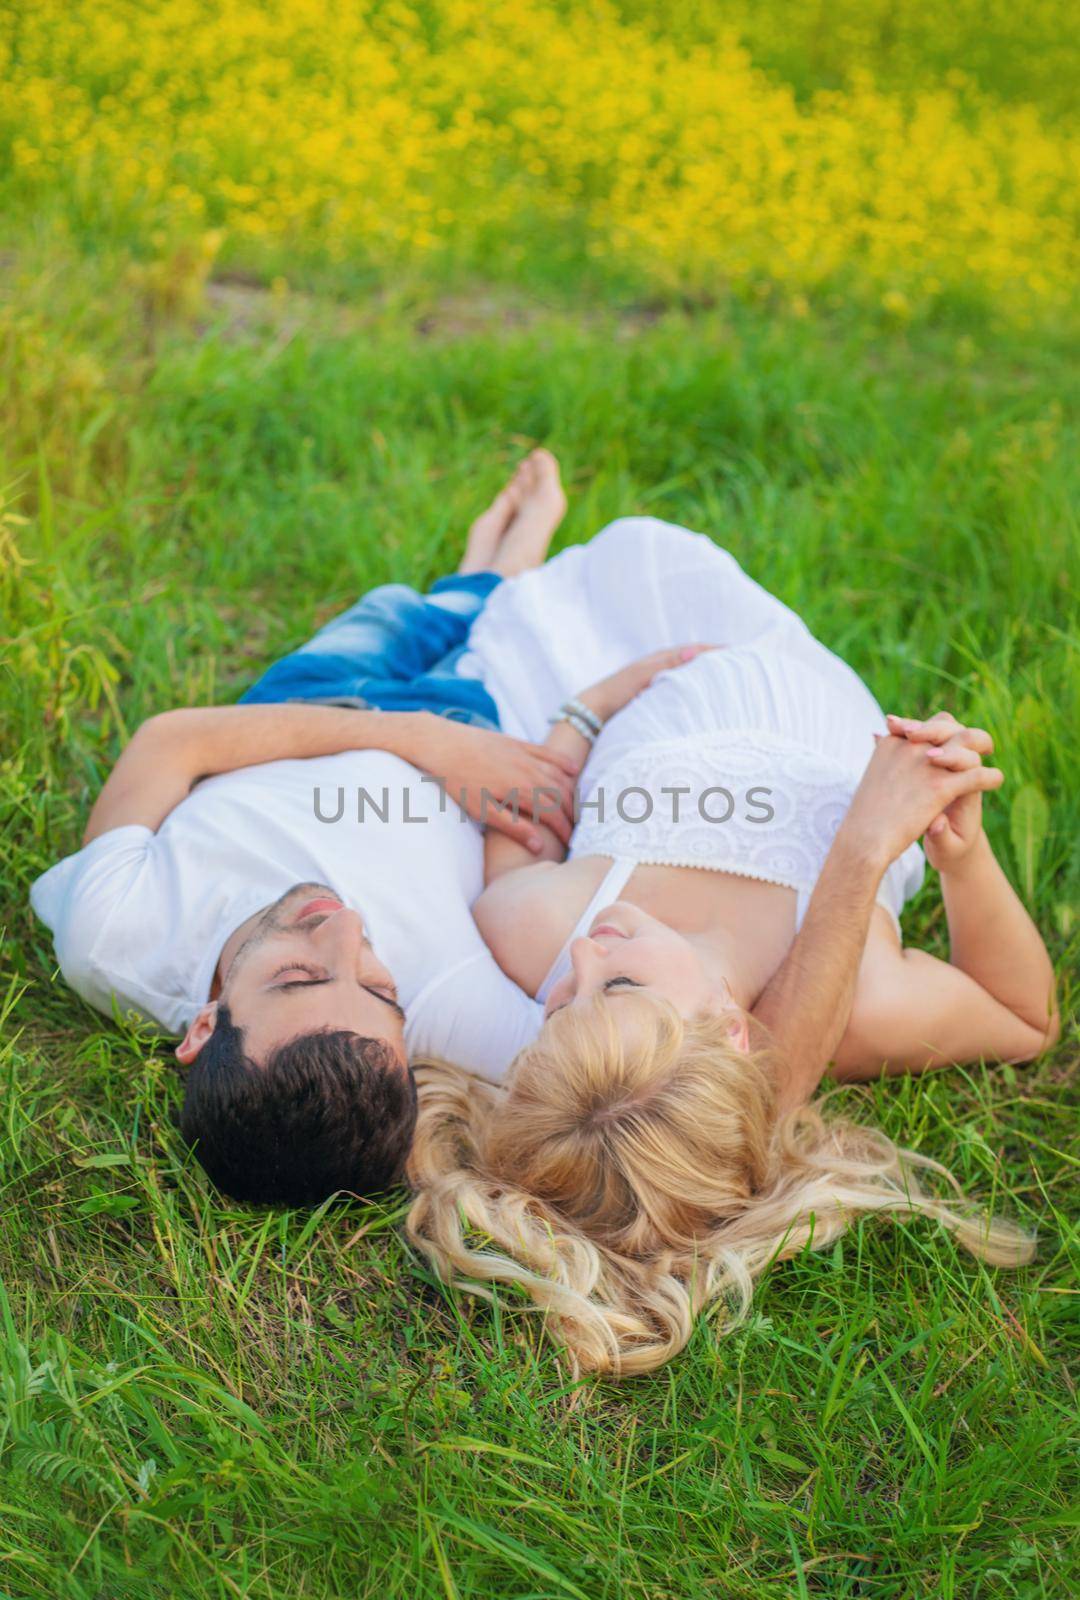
{"points": [[394, 650]]}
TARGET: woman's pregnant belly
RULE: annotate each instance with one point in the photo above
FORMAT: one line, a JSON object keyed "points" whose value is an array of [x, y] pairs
{"points": [[785, 685], [743, 761]]}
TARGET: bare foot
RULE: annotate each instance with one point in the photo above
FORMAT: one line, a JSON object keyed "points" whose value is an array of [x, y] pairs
{"points": [[488, 529], [541, 506]]}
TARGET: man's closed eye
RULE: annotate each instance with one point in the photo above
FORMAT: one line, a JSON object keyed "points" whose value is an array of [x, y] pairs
{"points": [[311, 978], [315, 980]]}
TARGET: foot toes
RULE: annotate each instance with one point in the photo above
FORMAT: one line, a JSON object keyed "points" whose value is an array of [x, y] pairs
{"points": [[545, 470]]}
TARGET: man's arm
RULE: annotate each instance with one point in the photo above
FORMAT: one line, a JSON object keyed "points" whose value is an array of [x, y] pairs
{"points": [[171, 751], [503, 854], [807, 1002]]}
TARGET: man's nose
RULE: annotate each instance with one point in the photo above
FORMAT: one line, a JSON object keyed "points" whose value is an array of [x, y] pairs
{"points": [[342, 934]]}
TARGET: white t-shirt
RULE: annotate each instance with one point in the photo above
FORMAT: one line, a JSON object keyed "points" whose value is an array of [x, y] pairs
{"points": [[143, 916]]}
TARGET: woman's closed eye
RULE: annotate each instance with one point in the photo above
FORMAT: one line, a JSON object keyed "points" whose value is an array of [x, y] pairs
{"points": [[605, 988]]}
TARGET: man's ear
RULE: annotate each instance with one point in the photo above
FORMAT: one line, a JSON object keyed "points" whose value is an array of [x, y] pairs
{"points": [[202, 1026]]}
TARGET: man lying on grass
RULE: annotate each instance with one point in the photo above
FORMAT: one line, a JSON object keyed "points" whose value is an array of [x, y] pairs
{"points": [[304, 959]]}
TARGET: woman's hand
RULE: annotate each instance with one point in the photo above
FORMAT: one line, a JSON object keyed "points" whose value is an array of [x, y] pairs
{"points": [[611, 694], [911, 783], [955, 831], [484, 771]]}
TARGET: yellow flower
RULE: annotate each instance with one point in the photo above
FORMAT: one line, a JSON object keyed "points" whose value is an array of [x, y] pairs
{"points": [[386, 131]]}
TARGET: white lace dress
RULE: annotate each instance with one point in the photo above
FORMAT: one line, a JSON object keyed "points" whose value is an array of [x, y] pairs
{"points": [[743, 761]]}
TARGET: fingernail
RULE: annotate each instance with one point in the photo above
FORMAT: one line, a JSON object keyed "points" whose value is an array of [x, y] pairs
{"points": [[687, 653], [534, 844]]}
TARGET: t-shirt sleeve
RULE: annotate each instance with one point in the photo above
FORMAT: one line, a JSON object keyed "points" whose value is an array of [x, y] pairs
{"points": [[474, 1016], [78, 899]]}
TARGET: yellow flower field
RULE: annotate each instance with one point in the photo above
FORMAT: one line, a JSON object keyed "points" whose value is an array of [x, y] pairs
{"points": [[491, 131]]}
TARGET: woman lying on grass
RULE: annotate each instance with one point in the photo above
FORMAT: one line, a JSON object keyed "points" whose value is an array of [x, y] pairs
{"points": [[656, 1146]]}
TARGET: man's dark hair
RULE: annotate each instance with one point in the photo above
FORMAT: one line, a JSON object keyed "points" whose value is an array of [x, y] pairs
{"points": [[327, 1111]]}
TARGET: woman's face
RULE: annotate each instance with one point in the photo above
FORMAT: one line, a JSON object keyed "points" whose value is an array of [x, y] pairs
{"points": [[627, 949]]}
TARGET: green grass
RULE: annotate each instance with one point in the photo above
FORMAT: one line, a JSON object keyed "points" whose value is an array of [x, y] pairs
{"points": [[205, 1401]]}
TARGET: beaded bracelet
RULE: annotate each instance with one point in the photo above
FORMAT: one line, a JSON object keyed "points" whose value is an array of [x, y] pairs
{"points": [[564, 714], [580, 709]]}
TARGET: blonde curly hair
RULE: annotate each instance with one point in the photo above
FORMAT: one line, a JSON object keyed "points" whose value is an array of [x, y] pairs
{"points": [[633, 1169]]}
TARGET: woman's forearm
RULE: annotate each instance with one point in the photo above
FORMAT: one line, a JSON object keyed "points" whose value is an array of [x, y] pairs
{"points": [[993, 940], [565, 740]]}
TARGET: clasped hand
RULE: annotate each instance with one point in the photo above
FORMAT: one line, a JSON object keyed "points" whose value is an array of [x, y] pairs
{"points": [[925, 778]]}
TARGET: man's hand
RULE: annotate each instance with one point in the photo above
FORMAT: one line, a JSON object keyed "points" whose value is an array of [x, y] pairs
{"points": [[956, 830], [568, 747], [910, 784], [611, 694], [484, 771]]}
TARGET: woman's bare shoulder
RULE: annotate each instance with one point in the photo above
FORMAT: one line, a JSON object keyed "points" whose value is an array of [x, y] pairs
{"points": [[527, 915]]}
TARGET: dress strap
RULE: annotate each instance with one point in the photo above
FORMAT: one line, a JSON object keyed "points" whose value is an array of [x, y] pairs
{"points": [[613, 883]]}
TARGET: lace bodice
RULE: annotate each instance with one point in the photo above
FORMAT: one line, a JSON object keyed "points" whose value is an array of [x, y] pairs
{"points": [[747, 800]]}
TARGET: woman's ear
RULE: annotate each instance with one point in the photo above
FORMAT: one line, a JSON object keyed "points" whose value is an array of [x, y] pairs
{"points": [[738, 1021], [739, 1029], [202, 1026]]}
